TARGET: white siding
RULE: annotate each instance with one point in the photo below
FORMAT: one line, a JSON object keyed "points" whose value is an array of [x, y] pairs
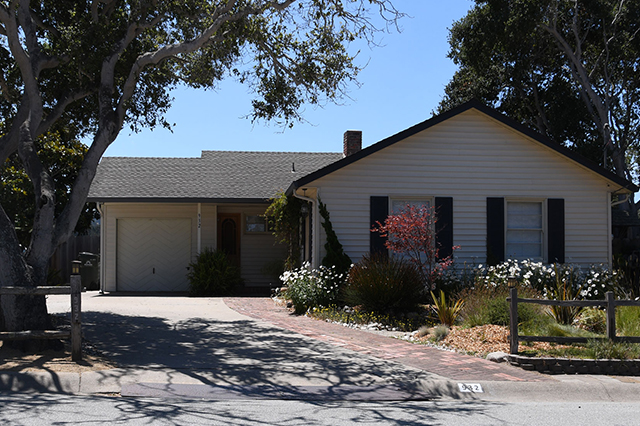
{"points": [[470, 157], [256, 249]]}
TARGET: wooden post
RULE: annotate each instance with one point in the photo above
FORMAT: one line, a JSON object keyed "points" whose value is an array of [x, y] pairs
{"points": [[611, 316], [76, 318], [513, 320]]}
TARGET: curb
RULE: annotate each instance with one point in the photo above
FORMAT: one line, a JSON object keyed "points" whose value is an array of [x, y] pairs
{"points": [[546, 365]]}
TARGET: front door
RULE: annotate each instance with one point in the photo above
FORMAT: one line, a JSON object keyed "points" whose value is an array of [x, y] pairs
{"points": [[229, 235]]}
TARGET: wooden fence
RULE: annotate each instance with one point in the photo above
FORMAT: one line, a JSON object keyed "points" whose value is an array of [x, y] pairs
{"points": [[68, 251], [610, 307], [76, 316]]}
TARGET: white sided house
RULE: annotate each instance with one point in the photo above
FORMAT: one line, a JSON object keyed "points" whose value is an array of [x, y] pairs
{"points": [[499, 190]]}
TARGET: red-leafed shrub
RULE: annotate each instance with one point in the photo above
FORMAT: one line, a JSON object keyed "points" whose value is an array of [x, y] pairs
{"points": [[411, 234]]}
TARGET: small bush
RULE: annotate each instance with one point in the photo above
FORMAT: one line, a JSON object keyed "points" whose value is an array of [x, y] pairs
{"points": [[606, 349], [628, 320], [382, 284], [593, 320], [440, 333], [213, 274], [488, 305], [308, 288], [447, 313]]}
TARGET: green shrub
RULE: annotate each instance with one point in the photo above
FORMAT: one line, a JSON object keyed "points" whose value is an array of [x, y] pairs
{"points": [[213, 274], [308, 288], [592, 282], [335, 255], [628, 320], [447, 313], [606, 349], [593, 320], [488, 305], [440, 333], [380, 284]]}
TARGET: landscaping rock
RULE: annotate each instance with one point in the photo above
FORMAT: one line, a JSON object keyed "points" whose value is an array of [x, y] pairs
{"points": [[498, 357]]}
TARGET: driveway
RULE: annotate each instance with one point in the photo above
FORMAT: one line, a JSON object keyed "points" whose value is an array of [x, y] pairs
{"points": [[187, 341]]}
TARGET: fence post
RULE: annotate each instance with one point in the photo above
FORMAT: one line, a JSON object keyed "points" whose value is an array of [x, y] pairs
{"points": [[513, 320], [611, 316], [76, 317]]}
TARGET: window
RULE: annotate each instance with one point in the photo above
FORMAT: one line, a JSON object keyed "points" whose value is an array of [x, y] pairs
{"points": [[399, 204], [256, 223], [525, 229]]}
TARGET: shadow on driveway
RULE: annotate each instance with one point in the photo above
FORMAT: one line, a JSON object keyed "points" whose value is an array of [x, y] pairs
{"points": [[242, 352]]}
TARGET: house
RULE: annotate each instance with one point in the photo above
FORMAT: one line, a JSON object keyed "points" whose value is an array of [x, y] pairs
{"points": [[158, 213], [500, 191]]}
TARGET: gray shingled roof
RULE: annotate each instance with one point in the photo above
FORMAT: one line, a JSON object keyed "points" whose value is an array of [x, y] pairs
{"points": [[216, 175]]}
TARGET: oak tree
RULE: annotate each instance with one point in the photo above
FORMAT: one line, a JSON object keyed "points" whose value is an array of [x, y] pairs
{"points": [[567, 68], [104, 64]]}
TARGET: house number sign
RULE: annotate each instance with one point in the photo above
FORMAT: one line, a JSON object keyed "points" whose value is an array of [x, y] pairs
{"points": [[470, 387]]}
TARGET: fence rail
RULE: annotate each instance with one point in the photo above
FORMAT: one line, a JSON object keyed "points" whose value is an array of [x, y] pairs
{"points": [[75, 334], [609, 304]]}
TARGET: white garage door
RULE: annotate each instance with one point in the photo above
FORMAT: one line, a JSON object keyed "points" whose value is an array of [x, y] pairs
{"points": [[153, 254]]}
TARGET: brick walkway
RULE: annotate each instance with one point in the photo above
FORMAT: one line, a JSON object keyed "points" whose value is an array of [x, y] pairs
{"points": [[447, 364]]}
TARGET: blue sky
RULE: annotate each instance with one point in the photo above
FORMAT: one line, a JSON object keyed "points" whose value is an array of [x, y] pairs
{"points": [[401, 85]]}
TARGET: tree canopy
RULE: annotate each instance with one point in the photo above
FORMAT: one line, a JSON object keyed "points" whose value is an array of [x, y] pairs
{"points": [[99, 65], [62, 156], [567, 68]]}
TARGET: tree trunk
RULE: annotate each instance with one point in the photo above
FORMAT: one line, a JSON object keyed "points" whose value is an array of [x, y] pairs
{"points": [[20, 312]]}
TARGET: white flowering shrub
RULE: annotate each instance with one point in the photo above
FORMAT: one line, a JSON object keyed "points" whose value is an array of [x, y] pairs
{"points": [[591, 283], [308, 288]]}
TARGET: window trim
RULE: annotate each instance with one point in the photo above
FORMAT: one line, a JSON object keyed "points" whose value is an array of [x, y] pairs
{"points": [[245, 231], [544, 229]]}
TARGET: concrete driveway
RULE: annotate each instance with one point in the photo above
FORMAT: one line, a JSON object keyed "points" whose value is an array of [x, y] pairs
{"points": [[194, 341]]}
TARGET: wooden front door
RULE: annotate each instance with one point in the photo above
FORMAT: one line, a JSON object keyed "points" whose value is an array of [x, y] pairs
{"points": [[229, 235]]}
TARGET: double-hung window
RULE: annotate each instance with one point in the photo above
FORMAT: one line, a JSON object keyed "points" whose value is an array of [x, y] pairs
{"points": [[397, 204], [525, 230]]}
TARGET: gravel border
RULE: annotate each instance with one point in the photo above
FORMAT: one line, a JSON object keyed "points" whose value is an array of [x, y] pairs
{"points": [[547, 365]]}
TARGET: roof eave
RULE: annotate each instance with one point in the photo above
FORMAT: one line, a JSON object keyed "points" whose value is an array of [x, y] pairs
{"points": [[178, 200]]}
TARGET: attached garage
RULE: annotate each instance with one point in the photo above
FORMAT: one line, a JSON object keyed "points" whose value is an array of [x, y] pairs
{"points": [[153, 254]]}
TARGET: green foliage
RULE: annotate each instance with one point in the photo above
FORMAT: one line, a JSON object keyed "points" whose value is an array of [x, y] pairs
{"points": [[488, 305], [360, 317], [62, 156], [447, 313], [606, 349], [456, 278], [628, 320], [308, 288], [213, 274], [380, 284], [97, 67], [589, 283], [335, 255], [284, 217], [542, 62], [564, 289], [440, 333], [593, 320]]}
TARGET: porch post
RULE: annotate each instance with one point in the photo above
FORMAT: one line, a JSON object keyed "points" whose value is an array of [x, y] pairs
{"points": [[199, 231]]}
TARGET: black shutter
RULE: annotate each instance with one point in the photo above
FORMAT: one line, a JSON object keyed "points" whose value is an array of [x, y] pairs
{"points": [[444, 226], [495, 230], [378, 212], [555, 230]]}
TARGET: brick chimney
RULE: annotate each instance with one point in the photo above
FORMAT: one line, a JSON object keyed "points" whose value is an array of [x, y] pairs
{"points": [[352, 142]]}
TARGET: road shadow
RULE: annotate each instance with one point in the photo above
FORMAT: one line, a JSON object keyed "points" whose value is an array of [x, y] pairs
{"points": [[243, 352]]}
